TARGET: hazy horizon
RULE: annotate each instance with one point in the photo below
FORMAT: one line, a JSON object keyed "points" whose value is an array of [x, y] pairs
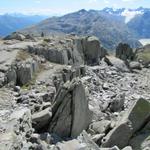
{"points": [[49, 7]]}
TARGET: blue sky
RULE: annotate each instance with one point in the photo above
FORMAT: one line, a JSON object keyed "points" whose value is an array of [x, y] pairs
{"points": [[53, 7]]}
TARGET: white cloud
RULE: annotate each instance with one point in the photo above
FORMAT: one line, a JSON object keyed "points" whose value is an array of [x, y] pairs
{"points": [[106, 1], [92, 1], [37, 11], [38, 1], [130, 14], [130, 0]]}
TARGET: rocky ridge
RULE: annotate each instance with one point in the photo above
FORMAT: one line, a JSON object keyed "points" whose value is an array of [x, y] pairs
{"points": [[65, 93]]}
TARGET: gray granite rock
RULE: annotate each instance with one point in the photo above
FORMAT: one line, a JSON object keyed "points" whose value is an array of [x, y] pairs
{"points": [[70, 108]]}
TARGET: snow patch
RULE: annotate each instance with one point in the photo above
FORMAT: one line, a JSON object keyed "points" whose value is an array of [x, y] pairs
{"points": [[129, 14]]}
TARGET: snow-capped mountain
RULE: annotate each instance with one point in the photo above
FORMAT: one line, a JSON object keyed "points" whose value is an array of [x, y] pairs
{"points": [[126, 12]]}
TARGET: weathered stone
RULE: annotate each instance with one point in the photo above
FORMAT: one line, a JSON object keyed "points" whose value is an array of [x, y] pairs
{"points": [[135, 65], [70, 108], [25, 71], [53, 55], [141, 141], [70, 145], [78, 54], [105, 86], [92, 50], [80, 110], [41, 119], [11, 76], [119, 136], [2, 79], [100, 126], [90, 144], [78, 51], [17, 88], [116, 62], [124, 52], [24, 74], [15, 36], [117, 103], [139, 114], [15, 129], [127, 148], [133, 120], [97, 138]]}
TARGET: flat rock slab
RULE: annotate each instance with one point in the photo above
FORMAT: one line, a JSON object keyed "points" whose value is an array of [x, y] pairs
{"points": [[116, 62], [41, 119]]}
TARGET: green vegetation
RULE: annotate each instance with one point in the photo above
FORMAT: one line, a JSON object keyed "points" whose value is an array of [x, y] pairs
{"points": [[145, 56], [47, 40], [44, 43]]}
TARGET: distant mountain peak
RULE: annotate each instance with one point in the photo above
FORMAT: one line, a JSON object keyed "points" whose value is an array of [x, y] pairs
{"points": [[109, 28], [82, 11]]}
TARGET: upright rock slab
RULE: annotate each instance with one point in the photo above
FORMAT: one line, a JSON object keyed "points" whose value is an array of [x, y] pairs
{"points": [[124, 52], [25, 70], [89, 49], [70, 110], [92, 50]]}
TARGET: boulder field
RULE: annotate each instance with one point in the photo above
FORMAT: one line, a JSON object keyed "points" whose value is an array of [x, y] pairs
{"points": [[68, 93]]}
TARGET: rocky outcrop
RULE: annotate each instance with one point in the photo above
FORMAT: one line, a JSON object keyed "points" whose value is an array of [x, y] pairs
{"points": [[90, 50], [52, 110], [19, 36], [26, 70], [41, 119], [20, 73], [124, 52], [70, 108], [11, 75], [134, 119], [53, 55], [75, 50], [15, 36]]}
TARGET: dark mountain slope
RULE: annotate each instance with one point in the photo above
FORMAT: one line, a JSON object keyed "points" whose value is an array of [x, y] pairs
{"points": [[141, 25], [110, 29]]}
